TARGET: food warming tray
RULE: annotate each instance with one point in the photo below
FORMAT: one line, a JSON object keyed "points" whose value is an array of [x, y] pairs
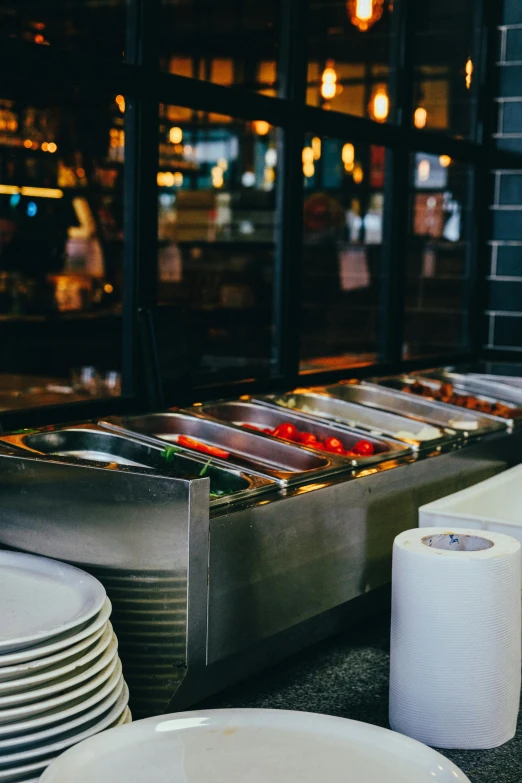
{"points": [[284, 462], [252, 412], [435, 378], [92, 443], [351, 414], [467, 423], [475, 384]]}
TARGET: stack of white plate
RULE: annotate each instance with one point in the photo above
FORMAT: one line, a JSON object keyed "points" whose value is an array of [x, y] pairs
{"points": [[60, 675]]}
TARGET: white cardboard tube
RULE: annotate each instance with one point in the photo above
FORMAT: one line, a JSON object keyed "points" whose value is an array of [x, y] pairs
{"points": [[455, 637]]}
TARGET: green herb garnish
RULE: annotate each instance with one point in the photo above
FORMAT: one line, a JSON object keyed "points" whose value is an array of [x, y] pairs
{"points": [[204, 469], [168, 453]]}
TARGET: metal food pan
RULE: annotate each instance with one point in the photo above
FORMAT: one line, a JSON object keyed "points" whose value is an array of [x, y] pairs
{"points": [[286, 463], [435, 380], [89, 442], [468, 424], [492, 387], [377, 422], [264, 415]]}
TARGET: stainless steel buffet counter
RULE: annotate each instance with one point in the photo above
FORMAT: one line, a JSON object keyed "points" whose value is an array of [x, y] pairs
{"points": [[219, 566]]}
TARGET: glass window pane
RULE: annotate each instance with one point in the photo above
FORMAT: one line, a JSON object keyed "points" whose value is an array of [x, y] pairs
{"points": [[437, 257], [216, 244], [343, 224], [349, 57], [228, 43], [96, 26], [444, 68], [61, 235]]}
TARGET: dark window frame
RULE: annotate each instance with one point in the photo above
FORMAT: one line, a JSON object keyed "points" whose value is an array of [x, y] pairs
{"points": [[28, 68]]}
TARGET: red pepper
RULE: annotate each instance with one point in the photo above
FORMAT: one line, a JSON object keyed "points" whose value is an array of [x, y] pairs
{"points": [[214, 451]]}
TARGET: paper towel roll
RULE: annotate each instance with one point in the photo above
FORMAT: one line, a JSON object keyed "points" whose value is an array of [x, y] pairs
{"points": [[455, 637]]}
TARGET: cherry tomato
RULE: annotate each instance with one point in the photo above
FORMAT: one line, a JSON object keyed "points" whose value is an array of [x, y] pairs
{"points": [[333, 445], [318, 445], [286, 430], [307, 439], [364, 448]]}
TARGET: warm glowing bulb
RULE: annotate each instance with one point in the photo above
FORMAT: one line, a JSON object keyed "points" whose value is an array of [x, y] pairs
{"points": [[381, 105], [308, 155], [28, 144], [469, 72], [45, 147], [223, 164], [364, 13], [108, 288], [329, 83], [168, 179], [420, 117], [348, 154], [261, 127], [175, 135], [308, 169], [363, 10], [178, 179], [358, 175], [424, 170], [445, 161], [51, 147], [316, 147]]}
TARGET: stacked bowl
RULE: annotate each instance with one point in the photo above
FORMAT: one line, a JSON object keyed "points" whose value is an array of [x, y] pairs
{"points": [[60, 675]]}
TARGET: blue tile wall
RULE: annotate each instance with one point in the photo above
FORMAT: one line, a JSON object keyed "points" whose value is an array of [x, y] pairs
{"points": [[503, 322]]}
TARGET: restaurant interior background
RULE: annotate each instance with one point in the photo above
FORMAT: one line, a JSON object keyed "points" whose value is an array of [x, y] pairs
{"points": [[197, 196]]}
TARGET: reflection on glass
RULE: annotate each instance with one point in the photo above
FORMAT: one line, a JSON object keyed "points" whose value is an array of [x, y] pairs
{"points": [[228, 43], [96, 26], [443, 58], [216, 243], [349, 53], [437, 256], [61, 227], [341, 252]]}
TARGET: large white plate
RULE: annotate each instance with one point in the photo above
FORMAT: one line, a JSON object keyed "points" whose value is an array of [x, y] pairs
{"points": [[61, 658], [27, 711], [60, 642], [42, 598], [61, 669], [48, 690], [231, 746], [59, 744], [53, 733], [59, 715]]}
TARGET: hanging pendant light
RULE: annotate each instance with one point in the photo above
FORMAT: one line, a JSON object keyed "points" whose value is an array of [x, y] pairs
{"points": [[364, 13]]}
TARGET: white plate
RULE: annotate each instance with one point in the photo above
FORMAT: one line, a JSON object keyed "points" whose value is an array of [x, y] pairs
{"points": [[111, 718], [59, 715], [53, 733], [66, 682], [51, 673], [60, 642], [231, 746], [27, 711], [42, 598], [70, 655]]}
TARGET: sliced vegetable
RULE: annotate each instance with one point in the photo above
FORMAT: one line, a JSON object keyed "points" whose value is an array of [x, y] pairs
{"points": [[204, 468], [191, 443], [168, 453]]}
